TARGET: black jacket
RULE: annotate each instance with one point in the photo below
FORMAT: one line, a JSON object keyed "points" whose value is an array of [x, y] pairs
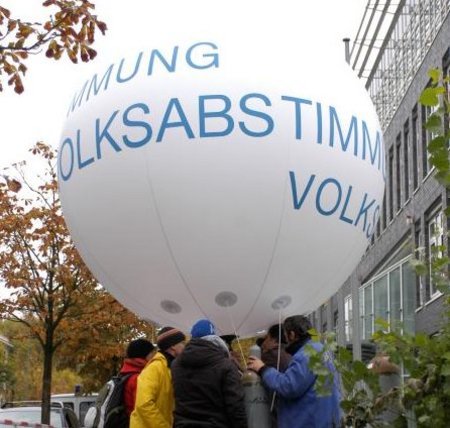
{"points": [[208, 389]]}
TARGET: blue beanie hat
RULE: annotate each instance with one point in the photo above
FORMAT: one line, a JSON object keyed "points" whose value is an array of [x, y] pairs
{"points": [[203, 328]]}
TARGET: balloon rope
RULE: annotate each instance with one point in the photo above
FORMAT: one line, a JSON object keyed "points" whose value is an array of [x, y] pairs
{"points": [[274, 395], [279, 341], [233, 326]]}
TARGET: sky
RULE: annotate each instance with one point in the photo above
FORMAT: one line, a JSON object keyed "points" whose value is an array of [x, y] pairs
{"points": [[39, 113]]}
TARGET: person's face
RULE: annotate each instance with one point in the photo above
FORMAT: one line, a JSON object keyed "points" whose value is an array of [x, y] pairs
{"points": [[150, 355], [268, 343], [290, 336], [177, 349]]}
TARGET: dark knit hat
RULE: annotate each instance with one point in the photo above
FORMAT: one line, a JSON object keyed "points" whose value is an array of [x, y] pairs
{"points": [[276, 332], [139, 348], [203, 328], [228, 338], [169, 336], [260, 341]]}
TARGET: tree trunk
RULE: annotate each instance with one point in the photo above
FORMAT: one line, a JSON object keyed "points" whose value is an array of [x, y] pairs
{"points": [[47, 378]]}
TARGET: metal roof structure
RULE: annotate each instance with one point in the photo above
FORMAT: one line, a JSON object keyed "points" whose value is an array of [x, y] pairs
{"points": [[390, 45]]}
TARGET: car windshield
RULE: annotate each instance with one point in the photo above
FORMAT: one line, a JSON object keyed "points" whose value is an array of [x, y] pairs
{"points": [[24, 414]]}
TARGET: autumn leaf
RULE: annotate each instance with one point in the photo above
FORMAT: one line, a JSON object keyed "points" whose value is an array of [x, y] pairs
{"points": [[71, 27], [13, 185], [5, 12]]}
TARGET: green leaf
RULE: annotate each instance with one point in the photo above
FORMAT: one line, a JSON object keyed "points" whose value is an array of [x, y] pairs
{"points": [[424, 419], [438, 143], [421, 340], [360, 369], [430, 96], [445, 370], [435, 75], [434, 123], [382, 324]]}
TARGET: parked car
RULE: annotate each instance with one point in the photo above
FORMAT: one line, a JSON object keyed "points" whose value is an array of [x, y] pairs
{"points": [[79, 403], [6, 423], [30, 412]]}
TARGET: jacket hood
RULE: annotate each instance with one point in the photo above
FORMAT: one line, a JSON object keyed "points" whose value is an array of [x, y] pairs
{"points": [[133, 365], [200, 352]]}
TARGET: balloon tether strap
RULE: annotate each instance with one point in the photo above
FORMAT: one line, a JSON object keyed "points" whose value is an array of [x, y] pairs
{"points": [[274, 395], [233, 326]]}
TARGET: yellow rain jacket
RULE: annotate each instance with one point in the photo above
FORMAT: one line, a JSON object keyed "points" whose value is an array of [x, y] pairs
{"points": [[154, 396]]}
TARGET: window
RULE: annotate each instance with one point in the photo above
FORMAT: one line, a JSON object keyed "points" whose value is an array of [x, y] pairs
{"points": [[420, 289], [435, 230], [398, 180], [406, 160], [395, 314], [425, 162], [408, 297], [348, 318], [390, 296], [427, 136], [391, 184], [323, 317], [84, 407], [415, 151], [336, 324], [312, 318], [380, 299], [446, 73], [368, 313]]}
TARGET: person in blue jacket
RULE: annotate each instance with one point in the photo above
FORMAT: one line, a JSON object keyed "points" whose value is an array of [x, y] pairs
{"points": [[299, 406]]}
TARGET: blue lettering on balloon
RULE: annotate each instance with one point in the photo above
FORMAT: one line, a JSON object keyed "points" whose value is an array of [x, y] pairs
{"points": [[137, 123], [370, 232], [375, 154], [66, 143], [298, 202], [322, 186], [363, 211], [298, 113], [217, 114], [77, 98], [169, 67], [319, 122], [344, 208], [174, 103], [104, 134], [299, 198], [81, 163], [264, 116], [136, 68], [105, 81], [213, 62], [334, 119]]}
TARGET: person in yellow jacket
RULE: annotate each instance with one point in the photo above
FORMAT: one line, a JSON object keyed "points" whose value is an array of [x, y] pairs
{"points": [[154, 396]]}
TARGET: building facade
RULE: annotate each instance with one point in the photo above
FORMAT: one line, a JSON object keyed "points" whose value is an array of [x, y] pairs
{"points": [[395, 48]]}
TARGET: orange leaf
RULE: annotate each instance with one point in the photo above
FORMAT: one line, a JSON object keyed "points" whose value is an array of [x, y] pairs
{"points": [[5, 12], [13, 185]]}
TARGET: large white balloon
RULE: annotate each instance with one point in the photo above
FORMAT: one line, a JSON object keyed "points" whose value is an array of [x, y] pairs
{"points": [[222, 177]]}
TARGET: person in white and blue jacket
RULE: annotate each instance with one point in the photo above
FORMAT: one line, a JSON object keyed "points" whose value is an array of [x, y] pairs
{"points": [[299, 406]]}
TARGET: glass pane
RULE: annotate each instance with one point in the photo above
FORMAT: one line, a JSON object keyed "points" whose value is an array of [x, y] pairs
{"points": [[368, 329], [348, 319], [361, 312], [409, 297], [380, 299], [84, 407], [394, 294]]}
